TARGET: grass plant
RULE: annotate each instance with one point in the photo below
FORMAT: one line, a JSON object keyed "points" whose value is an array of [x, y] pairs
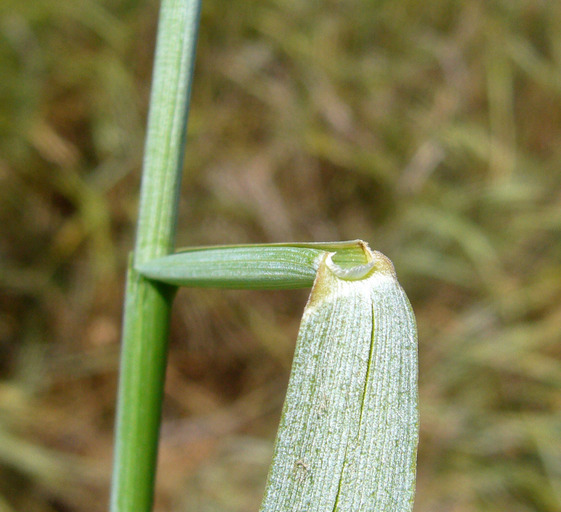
{"points": [[349, 429], [431, 130]]}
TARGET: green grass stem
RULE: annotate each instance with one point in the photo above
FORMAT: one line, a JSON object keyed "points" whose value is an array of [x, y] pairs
{"points": [[148, 304]]}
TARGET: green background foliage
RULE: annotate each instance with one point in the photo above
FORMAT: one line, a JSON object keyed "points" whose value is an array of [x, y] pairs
{"points": [[429, 129]]}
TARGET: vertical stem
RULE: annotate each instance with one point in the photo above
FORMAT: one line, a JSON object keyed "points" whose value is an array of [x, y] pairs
{"points": [[143, 361], [148, 304]]}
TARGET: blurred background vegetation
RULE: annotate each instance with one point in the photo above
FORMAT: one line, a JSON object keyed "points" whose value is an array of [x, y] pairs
{"points": [[430, 129]]}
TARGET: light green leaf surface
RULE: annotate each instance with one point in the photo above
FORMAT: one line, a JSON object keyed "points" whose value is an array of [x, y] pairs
{"points": [[349, 428], [265, 266]]}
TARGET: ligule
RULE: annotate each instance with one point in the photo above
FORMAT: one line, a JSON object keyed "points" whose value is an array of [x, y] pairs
{"points": [[349, 428]]}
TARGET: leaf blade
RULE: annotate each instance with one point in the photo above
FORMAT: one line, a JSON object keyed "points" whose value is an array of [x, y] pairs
{"points": [[349, 429], [259, 266]]}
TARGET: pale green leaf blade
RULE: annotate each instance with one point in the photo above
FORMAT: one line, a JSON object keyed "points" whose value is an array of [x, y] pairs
{"points": [[348, 434], [263, 266]]}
